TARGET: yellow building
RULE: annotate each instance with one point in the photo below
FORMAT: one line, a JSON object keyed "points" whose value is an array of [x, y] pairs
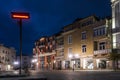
{"points": [[86, 44], [59, 58]]}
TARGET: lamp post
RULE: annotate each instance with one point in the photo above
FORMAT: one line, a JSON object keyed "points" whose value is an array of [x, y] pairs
{"points": [[20, 16], [73, 57], [35, 63]]}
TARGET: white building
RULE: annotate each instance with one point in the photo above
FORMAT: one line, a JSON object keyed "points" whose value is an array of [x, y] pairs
{"points": [[26, 61], [7, 57], [116, 24]]}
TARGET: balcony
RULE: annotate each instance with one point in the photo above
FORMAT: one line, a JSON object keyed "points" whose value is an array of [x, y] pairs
{"points": [[116, 30], [41, 46], [47, 54], [59, 58], [106, 51], [116, 51], [116, 45], [59, 47]]}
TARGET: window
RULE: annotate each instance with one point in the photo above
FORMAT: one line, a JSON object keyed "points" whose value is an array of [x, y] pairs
{"points": [[87, 23], [117, 13], [83, 35], [102, 31], [102, 45], [95, 45], [95, 32], [83, 48], [62, 52], [25, 58], [70, 39], [3, 51], [0, 59], [99, 31], [3, 58], [69, 50]]}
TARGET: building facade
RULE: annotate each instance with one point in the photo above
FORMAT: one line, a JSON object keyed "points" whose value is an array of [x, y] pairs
{"points": [[44, 52], [86, 44], [26, 62], [116, 26], [7, 57], [115, 22], [59, 57]]}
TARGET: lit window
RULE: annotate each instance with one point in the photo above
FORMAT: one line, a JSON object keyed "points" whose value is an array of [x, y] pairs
{"points": [[102, 45], [69, 50], [70, 39], [84, 35], [99, 31], [83, 48]]}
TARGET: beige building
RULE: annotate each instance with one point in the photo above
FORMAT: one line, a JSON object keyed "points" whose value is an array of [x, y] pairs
{"points": [[86, 43], [7, 57], [59, 57]]}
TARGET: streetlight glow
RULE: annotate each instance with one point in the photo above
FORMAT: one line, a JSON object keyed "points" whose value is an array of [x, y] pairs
{"points": [[76, 55], [34, 60], [20, 15], [70, 56], [54, 61], [16, 63]]}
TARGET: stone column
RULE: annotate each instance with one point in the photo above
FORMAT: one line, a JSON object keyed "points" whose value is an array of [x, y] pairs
{"points": [[51, 61], [81, 63], [94, 64], [45, 65]]}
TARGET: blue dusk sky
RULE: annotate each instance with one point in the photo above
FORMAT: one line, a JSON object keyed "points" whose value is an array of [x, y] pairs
{"points": [[47, 17]]}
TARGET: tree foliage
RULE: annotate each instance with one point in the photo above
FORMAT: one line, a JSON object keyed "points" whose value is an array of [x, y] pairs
{"points": [[115, 57]]}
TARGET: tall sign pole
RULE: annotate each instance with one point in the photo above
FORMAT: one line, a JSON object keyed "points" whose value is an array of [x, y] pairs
{"points": [[20, 23], [20, 16]]}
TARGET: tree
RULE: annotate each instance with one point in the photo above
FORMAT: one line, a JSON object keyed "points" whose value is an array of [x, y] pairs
{"points": [[115, 57]]}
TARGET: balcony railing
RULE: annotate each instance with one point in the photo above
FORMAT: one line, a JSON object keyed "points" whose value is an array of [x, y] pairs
{"points": [[116, 30], [59, 58], [40, 46], [116, 45], [106, 51], [59, 47]]}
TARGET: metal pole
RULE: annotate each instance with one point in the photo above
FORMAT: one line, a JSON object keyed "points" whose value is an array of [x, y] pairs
{"points": [[20, 23]]}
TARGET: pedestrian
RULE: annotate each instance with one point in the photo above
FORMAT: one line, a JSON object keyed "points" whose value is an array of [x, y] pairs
{"points": [[73, 67]]}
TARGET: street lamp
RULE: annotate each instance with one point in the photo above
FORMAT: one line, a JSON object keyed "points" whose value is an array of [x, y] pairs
{"points": [[35, 63], [20, 16], [16, 63]]}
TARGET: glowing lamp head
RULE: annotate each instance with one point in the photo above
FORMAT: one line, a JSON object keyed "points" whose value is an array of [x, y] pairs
{"points": [[16, 63], [20, 15], [70, 56]]}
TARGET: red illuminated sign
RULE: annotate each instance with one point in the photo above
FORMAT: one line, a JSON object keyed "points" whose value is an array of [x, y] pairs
{"points": [[20, 15]]}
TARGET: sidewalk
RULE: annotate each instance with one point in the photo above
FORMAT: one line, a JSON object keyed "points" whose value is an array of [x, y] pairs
{"points": [[97, 70], [40, 77], [9, 75], [89, 70]]}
